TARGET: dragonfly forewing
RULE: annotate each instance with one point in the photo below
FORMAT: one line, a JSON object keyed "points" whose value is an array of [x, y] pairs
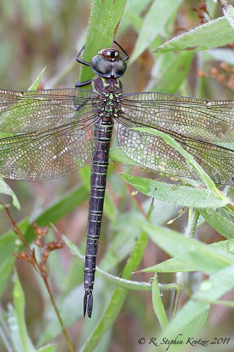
{"points": [[60, 140], [32, 111], [210, 121]]}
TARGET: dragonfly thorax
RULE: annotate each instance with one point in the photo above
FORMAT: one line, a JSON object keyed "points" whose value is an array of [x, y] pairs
{"points": [[108, 63]]}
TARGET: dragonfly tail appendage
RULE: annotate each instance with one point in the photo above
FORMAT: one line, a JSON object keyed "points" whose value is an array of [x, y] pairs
{"points": [[88, 303]]}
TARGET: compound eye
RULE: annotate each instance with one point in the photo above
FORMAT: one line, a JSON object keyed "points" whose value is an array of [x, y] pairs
{"points": [[101, 66], [119, 67]]}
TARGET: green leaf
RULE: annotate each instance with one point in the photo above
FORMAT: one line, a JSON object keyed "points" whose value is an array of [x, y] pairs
{"points": [[188, 250], [218, 222], [213, 288], [174, 265], [154, 24], [103, 25], [20, 328], [175, 194], [207, 36], [157, 304], [5, 189], [37, 81]]}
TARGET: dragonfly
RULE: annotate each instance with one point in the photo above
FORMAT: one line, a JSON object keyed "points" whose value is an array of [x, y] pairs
{"points": [[53, 133]]}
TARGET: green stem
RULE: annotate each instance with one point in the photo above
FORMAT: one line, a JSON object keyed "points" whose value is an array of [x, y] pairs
{"points": [[192, 224]]}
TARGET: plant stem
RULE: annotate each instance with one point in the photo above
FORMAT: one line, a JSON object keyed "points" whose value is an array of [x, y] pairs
{"points": [[192, 224], [58, 314]]}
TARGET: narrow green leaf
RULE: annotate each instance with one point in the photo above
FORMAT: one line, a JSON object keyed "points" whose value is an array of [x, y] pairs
{"points": [[188, 250], [37, 81], [174, 265], [154, 24], [19, 304], [158, 305], [179, 195], [207, 36], [218, 222], [103, 25], [5, 189], [212, 289]]}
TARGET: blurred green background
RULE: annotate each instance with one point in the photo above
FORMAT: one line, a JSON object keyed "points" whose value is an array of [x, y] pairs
{"points": [[38, 33]]}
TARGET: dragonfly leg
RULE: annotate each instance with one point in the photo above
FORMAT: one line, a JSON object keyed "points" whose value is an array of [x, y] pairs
{"points": [[79, 60], [127, 56], [82, 84]]}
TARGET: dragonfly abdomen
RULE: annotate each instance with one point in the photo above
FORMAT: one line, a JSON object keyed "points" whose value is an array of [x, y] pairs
{"points": [[102, 133]]}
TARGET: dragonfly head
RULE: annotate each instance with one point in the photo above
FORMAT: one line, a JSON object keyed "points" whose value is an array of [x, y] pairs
{"points": [[108, 63]]}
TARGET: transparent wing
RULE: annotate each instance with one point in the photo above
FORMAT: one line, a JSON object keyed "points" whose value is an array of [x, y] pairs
{"points": [[211, 121], [60, 139], [46, 155], [31, 111], [183, 123]]}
